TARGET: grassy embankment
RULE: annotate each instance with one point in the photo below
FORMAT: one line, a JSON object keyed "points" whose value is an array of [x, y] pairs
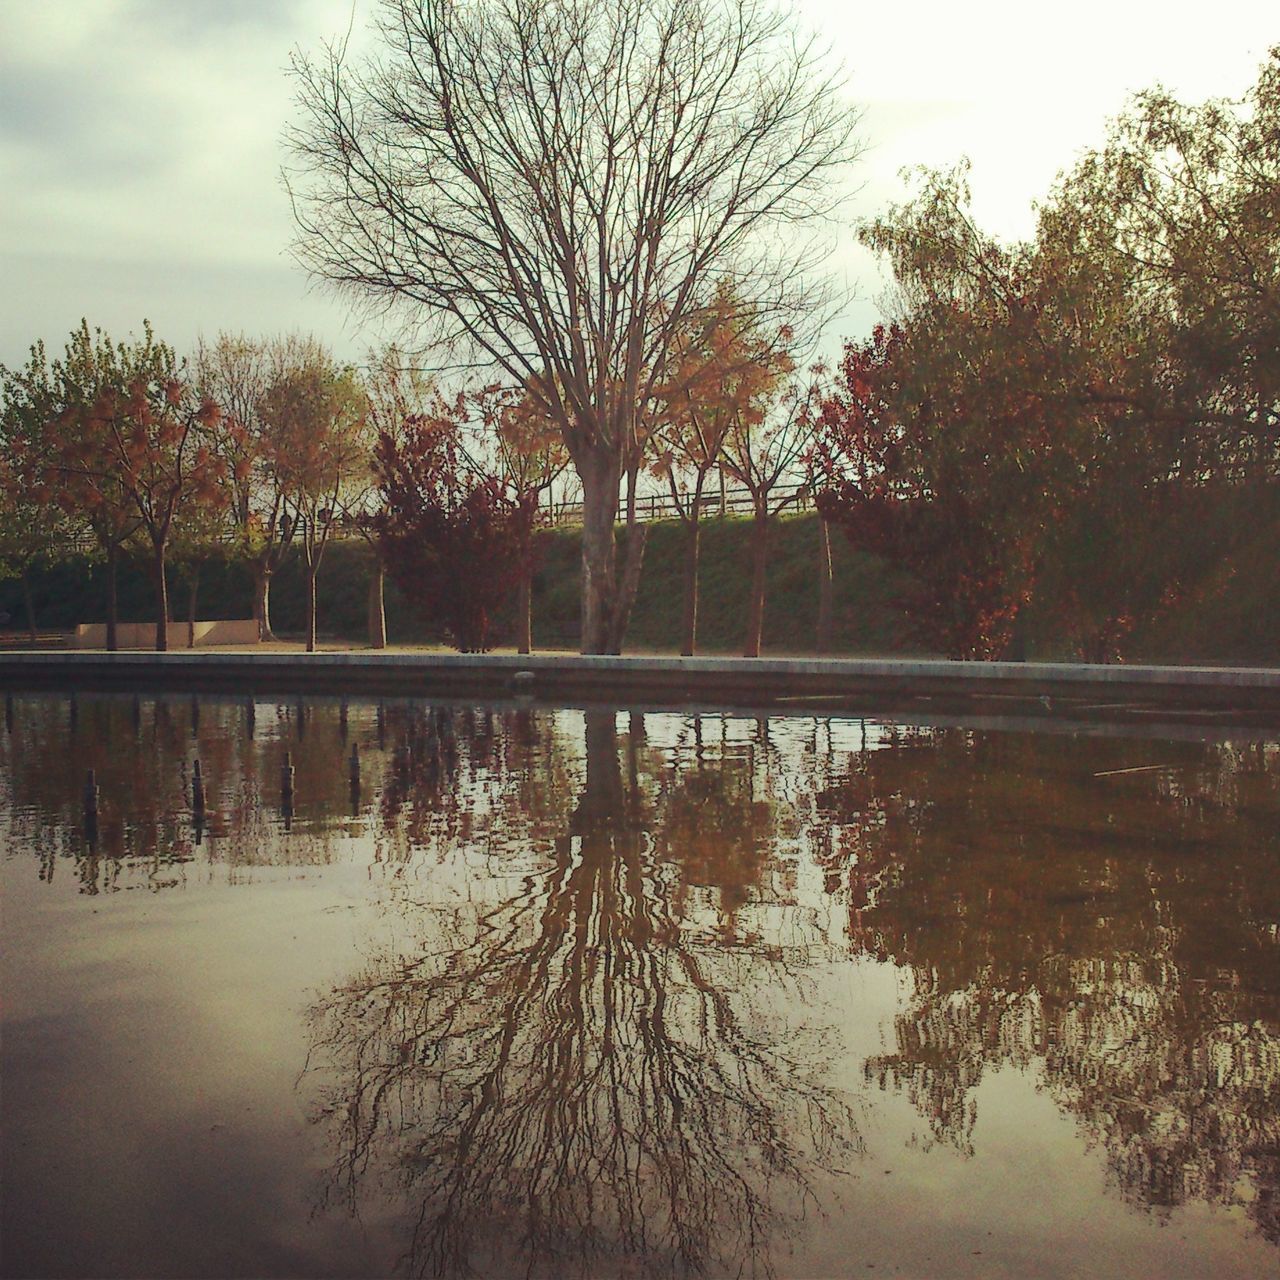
{"points": [[1238, 623]]}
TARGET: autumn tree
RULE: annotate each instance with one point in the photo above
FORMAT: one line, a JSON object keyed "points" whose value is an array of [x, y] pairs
{"points": [[1164, 243], [766, 450], [885, 481], [1178, 209], [201, 534], [68, 467], [955, 439], [530, 457], [315, 414], [142, 438], [1052, 402], [454, 538], [723, 371], [397, 393], [554, 187], [237, 372], [34, 529]]}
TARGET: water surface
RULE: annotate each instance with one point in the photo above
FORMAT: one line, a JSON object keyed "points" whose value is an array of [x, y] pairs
{"points": [[595, 993]]}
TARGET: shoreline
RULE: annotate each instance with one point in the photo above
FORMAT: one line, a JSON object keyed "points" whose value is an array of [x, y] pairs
{"points": [[1213, 697]]}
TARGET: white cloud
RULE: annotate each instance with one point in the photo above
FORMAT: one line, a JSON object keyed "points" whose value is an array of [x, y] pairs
{"points": [[140, 139]]}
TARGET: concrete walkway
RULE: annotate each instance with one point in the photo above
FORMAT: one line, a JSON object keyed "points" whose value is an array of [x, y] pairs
{"points": [[1238, 695]]}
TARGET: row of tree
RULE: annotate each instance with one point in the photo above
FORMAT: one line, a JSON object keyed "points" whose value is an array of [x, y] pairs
{"points": [[253, 450], [259, 449], [566, 191], [606, 243]]}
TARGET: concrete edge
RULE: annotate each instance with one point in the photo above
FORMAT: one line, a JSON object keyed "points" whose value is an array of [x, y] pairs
{"points": [[1196, 697], [891, 668], [1066, 672]]}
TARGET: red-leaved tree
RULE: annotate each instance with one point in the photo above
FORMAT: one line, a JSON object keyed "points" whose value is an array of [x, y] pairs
{"points": [[924, 481], [454, 539], [137, 450]]}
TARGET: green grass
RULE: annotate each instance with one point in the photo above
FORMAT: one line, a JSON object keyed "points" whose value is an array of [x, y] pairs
{"points": [[864, 619], [1238, 622]]}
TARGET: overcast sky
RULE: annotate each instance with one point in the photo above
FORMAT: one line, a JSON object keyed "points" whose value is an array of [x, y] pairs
{"points": [[140, 139]]}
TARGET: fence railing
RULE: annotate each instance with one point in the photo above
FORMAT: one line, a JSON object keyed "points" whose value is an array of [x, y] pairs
{"points": [[662, 506], [649, 506]]}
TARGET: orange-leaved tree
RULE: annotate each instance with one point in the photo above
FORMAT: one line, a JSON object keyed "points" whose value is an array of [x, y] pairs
{"points": [[317, 420], [723, 372], [131, 447]]}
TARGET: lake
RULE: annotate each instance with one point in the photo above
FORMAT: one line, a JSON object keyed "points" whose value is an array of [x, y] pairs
{"points": [[595, 993]]}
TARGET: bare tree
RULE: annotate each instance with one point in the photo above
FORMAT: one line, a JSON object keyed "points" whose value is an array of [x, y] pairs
{"points": [[239, 372], [761, 454], [554, 185]]}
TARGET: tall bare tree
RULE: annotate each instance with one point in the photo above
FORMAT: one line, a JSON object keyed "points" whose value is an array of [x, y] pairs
{"points": [[553, 185]]}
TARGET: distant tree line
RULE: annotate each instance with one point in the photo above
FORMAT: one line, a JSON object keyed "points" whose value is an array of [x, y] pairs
{"points": [[256, 449]]}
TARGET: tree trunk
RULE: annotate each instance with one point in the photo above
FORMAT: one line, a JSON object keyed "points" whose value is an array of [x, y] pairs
{"points": [[524, 610], [692, 553], [377, 605], [193, 586], [113, 599], [637, 536], [633, 473], [162, 601], [29, 605], [262, 601], [825, 592], [599, 475], [312, 571], [755, 607]]}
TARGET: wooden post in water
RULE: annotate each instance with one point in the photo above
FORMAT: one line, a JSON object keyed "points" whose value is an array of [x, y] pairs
{"points": [[342, 718], [91, 808], [353, 777], [197, 800], [8, 712], [286, 789]]}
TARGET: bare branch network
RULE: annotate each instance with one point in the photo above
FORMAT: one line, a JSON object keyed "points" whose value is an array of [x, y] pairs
{"points": [[556, 184]]}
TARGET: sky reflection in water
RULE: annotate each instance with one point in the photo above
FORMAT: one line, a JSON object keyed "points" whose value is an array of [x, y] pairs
{"points": [[581, 993]]}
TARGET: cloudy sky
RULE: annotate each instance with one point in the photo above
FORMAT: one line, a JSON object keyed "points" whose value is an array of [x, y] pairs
{"points": [[140, 139]]}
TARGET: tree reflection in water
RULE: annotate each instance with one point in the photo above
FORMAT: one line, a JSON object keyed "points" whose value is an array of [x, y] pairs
{"points": [[582, 1051], [1115, 933], [575, 1078]]}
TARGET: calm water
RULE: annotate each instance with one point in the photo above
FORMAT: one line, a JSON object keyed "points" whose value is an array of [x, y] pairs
{"points": [[558, 993]]}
